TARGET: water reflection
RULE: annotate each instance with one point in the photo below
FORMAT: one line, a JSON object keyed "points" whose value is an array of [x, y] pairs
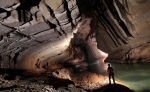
{"points": [[136, 76]]}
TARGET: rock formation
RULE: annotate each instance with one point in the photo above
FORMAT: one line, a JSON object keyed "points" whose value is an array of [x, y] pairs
{"points": [[126, 37], [65, 37]]}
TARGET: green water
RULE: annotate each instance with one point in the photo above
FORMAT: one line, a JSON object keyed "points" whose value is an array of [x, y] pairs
{"points": [[136, 76]]}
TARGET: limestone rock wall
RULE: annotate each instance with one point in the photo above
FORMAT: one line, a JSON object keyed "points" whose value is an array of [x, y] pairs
{"points": [[33, 31], [37, 36], [125, 45]]}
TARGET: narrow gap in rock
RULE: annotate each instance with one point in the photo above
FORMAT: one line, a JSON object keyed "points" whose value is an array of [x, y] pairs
{"points": [[15, 57], [68, 12]]}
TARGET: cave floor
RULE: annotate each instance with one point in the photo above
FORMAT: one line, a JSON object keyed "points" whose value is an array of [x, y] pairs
{"points": [[36, 84], [134, 76], [45, 84]]}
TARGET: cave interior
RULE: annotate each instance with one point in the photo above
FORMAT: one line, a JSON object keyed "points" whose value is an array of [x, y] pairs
{"points": [[72, 39]]}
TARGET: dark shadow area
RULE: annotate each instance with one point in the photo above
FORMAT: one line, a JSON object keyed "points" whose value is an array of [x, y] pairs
{"points": [[7, 88], [57, 82], [86, 7], [10, 74], [27, 4], [113, 88], [144, 90]]}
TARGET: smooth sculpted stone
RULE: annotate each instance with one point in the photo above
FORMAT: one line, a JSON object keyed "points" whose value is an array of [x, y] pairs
{"points": [[7, 3], [44, 10], [60, 9], [75, 13], [61, 16], [141, 1], [72, 4], [53, 4]]}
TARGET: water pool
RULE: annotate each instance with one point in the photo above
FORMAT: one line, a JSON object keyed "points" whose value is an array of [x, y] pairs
{"points": [[135, 76]]}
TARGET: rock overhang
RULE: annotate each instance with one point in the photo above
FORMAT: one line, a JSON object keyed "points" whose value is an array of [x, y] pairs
{"points": [[40, 38]]}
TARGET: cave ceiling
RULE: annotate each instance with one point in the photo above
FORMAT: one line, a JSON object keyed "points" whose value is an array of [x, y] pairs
{"points": [[43, 35]]}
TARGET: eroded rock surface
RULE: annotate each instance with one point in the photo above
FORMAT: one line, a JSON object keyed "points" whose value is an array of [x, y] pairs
{"points": [[37, 84], [128, 43], [29, 29], [71, 39]]}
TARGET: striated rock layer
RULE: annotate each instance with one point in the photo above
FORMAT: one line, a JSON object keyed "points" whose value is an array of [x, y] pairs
{"points": [[45, 36], [71, 39], [123, 34]]}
